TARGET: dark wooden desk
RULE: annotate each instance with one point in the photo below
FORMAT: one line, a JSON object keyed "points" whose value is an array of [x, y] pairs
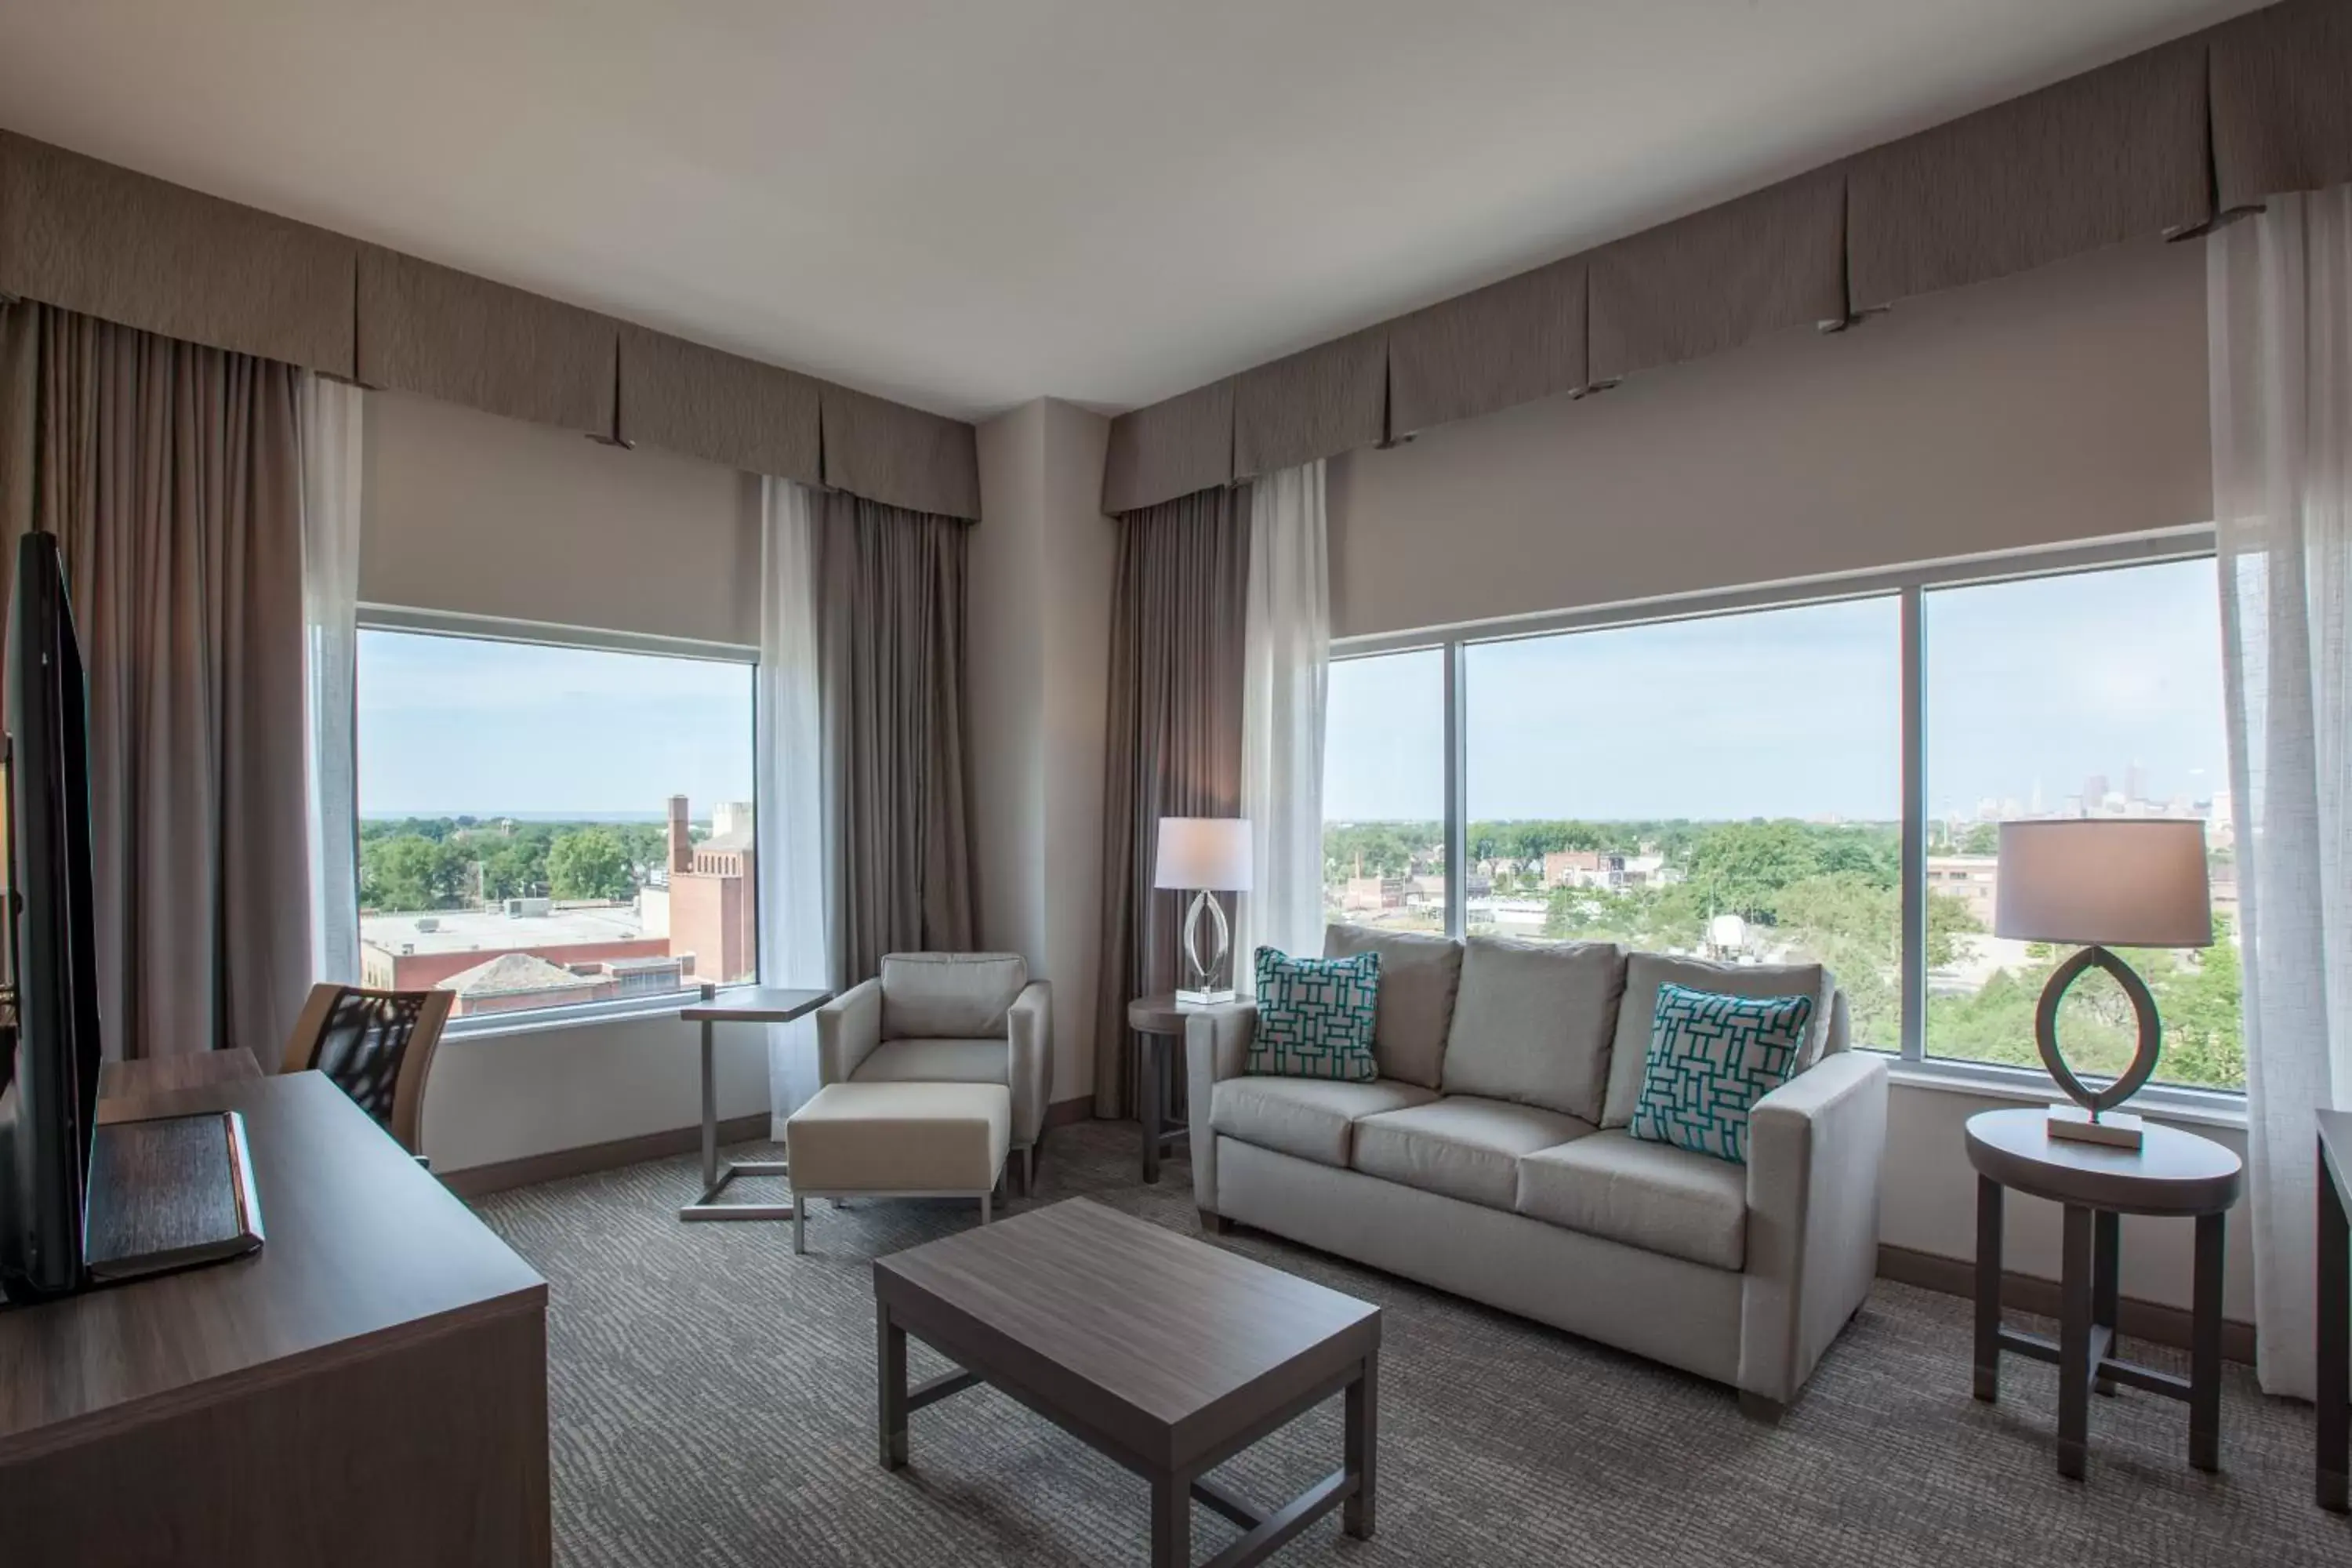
{"points": [[370, 1388], [2334, 1362], [126, 1090], [747, 1005], [1160, 1352]]}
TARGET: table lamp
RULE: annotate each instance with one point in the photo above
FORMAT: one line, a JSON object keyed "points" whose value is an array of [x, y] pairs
{"points": [[1204, 853], [2124, 882]]}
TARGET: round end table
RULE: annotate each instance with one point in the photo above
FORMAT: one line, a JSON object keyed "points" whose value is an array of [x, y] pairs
{"points": [[1159, 1020], [2174, 1175]]}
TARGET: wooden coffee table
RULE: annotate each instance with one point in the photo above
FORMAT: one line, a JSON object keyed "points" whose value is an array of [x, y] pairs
{"points": [[1166, 1354]]}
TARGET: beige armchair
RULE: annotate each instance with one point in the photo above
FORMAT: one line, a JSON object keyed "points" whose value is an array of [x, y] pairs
{"points": [[948, 1017]]}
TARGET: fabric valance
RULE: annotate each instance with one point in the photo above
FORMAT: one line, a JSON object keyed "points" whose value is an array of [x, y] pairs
{"points": [[1509, 342], [88, 236], [1171, 448], [684, 397], [2116, 154], [899, 456], [1311, 405], [1720, 278], [2282, 101], [448, 334]]}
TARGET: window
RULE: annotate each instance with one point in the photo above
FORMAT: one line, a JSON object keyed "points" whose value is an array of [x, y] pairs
{"points": [[547, 827], [2092, 694], [1734, 783], [1384, 791], [1727, 787]]}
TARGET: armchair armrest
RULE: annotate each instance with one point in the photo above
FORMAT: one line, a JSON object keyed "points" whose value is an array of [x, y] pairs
{"points": [[1216, 1046], [1029, 1028], [1814, 1148], [849, 1027]]}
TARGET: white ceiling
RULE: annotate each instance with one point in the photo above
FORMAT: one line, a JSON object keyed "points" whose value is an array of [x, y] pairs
{"points": [[966, 204]]}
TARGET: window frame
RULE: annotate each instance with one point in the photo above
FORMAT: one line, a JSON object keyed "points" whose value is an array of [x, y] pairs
{"points": [[467, 626], [1909, 585]]}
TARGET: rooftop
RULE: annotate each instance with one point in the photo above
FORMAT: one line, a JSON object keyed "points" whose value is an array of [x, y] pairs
{"points": [[491, 931], [513, 973]]}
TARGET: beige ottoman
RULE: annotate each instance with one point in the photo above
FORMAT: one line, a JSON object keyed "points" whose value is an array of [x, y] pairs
{"points": [[898, 1141]]}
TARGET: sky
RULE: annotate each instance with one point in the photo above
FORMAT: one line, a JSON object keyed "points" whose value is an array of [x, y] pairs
{"points": [[1797, 712], [452, 726]]}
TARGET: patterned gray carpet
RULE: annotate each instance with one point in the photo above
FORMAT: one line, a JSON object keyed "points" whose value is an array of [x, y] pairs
{"points": [[713, 1397]]}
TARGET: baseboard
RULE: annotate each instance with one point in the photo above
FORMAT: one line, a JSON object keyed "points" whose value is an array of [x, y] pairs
{"points": [[1062, 1112], [556, 1163], [2135, 1318]]}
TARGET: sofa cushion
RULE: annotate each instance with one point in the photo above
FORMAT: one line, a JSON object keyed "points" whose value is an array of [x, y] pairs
{"points": [[1533, 1023], [1711, 1057], [1650, 1195], [1315, 1017], [1308, 1117], [934, 1061], [1419, 976], [1645, 972], [949, 995], [1462, 1146]]}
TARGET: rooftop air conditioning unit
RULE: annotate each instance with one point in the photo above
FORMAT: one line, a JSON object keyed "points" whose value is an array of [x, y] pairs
{"points": [[529, 909], [427, 923]]}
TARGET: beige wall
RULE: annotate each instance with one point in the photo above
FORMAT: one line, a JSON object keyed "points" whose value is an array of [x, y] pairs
{"points": [[468, 512], [1040, 636], [2059, 406]]}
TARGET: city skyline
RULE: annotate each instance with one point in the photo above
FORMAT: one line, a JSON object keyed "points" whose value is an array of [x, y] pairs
{"points": [[1795, 712]]}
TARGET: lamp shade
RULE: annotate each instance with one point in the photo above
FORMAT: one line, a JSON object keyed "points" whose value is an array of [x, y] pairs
{"points": [[1211, 852], [2115, 882]]}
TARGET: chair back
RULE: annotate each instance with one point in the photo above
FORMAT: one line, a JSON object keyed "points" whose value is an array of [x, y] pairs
{"points": [[375, 1045]]}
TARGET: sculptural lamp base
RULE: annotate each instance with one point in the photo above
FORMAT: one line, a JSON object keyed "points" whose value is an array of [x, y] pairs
{"points": [[1204, 991], [2116, 1129], [2093, 1117]]}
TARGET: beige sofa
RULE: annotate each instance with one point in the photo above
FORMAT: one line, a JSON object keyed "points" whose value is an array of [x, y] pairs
{"points": [[1491, 1157]]}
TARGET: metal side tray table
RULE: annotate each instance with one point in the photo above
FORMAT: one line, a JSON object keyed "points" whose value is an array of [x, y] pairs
{"points": [[750, 1004], [2174, 1174]]}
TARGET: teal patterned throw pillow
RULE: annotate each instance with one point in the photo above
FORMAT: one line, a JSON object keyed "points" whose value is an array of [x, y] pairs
{"points": [[1711, 1059], [1314, 1015]]}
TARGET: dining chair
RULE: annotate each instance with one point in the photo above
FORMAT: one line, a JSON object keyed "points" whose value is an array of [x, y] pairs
{"points": [[376, 1046]]}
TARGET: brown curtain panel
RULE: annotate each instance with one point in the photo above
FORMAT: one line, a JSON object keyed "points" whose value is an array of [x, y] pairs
{"points": [[1175, 741], [891, 682], [172, 475]]}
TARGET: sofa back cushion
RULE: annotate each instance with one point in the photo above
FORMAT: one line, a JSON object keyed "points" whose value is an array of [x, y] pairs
{"points": [[1645, 972], [1419, 976], [1534, 1023], [949, 995]]}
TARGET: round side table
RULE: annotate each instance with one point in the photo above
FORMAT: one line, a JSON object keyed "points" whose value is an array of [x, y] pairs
{"points": [[2173, 1174], [1160, 1022]]}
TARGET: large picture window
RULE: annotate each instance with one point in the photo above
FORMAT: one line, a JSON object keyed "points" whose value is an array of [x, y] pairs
{"points": [[549, 826], [1738, 783]]}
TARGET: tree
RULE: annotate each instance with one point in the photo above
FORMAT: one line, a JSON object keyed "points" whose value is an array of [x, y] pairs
{"points": [[589, 864], [1982, 838], [407, 872]]}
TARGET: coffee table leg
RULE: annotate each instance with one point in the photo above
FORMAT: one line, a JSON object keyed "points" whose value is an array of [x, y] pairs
{"points": [[1363, 1441], [2074, 1345], [1987, 1369], [2205, 1348], [2106, 1264], [1171, 1521], [890, 1359]]}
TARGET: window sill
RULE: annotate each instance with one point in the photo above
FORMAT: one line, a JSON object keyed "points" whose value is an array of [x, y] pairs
{"points": [[2192, 1107], [497, 1026]]}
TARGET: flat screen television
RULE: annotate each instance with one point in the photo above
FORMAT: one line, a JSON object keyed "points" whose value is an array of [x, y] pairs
{"points": [[49, 1058]]}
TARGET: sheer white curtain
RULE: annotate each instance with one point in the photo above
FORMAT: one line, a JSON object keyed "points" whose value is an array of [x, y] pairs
{"points": [[331, 443], [2279, 311], [788, 734], [1285, 669]]}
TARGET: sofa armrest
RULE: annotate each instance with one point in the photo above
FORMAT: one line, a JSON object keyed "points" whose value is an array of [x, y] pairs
{"points": [[849, 1027], [1029, 1028], [1216, 1048], [1814, 1148]]}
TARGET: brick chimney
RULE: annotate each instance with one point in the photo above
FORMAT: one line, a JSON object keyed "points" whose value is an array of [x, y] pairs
{"points": [[681, 842]]}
